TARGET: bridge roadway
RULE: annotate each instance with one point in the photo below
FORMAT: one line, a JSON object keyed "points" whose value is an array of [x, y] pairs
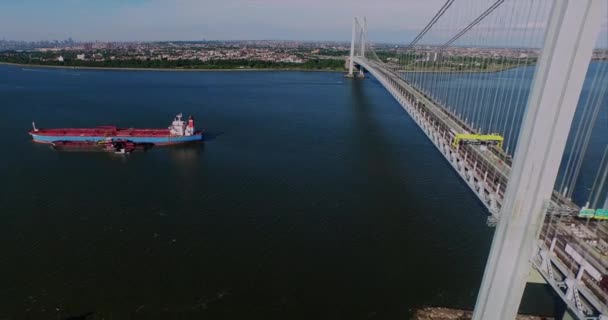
{"points": [[485, 169]]}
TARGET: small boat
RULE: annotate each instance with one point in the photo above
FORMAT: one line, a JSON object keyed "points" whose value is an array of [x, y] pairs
{"points": [[108, 145]]}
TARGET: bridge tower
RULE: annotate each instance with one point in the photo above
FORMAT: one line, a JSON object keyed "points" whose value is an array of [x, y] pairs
{"points": [[572, 30], [351, 63], [358, 40], [363, 41]]}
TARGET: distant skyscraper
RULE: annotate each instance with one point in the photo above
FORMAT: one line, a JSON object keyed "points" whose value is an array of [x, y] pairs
{"points": [[88, 46]]}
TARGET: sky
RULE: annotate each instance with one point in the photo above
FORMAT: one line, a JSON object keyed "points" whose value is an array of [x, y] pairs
{"points": [[395, 21], [149, 20]]}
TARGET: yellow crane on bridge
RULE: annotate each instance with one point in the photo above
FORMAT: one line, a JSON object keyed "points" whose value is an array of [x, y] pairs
{"points": [[471, 138]]}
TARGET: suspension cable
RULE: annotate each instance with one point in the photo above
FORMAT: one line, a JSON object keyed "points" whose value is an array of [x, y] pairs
{"points": [[472, 24], [434, 20]]}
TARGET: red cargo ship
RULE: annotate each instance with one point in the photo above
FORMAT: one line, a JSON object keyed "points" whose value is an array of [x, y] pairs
{"points": [[179, 132]]}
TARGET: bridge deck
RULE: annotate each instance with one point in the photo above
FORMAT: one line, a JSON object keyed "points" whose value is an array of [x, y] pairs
{"points": [[486, 171]]}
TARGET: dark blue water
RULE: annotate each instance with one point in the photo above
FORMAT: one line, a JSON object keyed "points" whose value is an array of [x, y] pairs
{"points": [[315, 197]]}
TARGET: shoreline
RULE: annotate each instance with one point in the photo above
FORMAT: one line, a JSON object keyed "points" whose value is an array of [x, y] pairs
{"points": [[238, 70], [166, 69]]}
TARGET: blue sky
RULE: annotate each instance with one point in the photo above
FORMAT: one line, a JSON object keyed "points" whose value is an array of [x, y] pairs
{"points": [[149, 20], [211, 19]]}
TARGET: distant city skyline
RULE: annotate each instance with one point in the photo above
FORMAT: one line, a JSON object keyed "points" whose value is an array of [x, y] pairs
{"points": [[390, 21]]}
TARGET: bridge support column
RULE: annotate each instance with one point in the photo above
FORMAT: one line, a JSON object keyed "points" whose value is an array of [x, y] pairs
{"points": [[351, 62], [363, 41], [571, 34], [363, 36], [473, 172], [361, 75]]}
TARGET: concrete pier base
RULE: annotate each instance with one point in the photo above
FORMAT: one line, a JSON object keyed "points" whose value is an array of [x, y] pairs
{"points": [[432, 313], [355, 75]]}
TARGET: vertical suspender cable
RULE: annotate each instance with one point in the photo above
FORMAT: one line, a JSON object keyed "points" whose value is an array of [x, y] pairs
{"points": [[511, 104], [596, 188], [574, 147], [585, 143], [509, 30]]}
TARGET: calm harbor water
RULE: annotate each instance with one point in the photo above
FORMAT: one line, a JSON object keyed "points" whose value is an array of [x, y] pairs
{"points": [[315, 197]]}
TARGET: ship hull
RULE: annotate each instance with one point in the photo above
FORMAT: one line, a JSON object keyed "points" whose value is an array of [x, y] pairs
{"points": [[156, 140]]}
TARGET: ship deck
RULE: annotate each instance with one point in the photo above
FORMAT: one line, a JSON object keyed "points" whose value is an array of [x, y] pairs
{"points": [[103, 131]]}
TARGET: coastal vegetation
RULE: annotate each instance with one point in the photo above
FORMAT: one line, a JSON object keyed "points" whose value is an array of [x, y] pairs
{"points": [[236, 64], [457, 63], [215, 57], [466, 65]]}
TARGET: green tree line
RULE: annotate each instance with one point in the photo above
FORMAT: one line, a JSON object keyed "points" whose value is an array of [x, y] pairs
{"points": [[312, 64]]}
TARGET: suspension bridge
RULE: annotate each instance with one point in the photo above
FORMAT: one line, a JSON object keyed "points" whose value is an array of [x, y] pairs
{"points": [[520, 146]]}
